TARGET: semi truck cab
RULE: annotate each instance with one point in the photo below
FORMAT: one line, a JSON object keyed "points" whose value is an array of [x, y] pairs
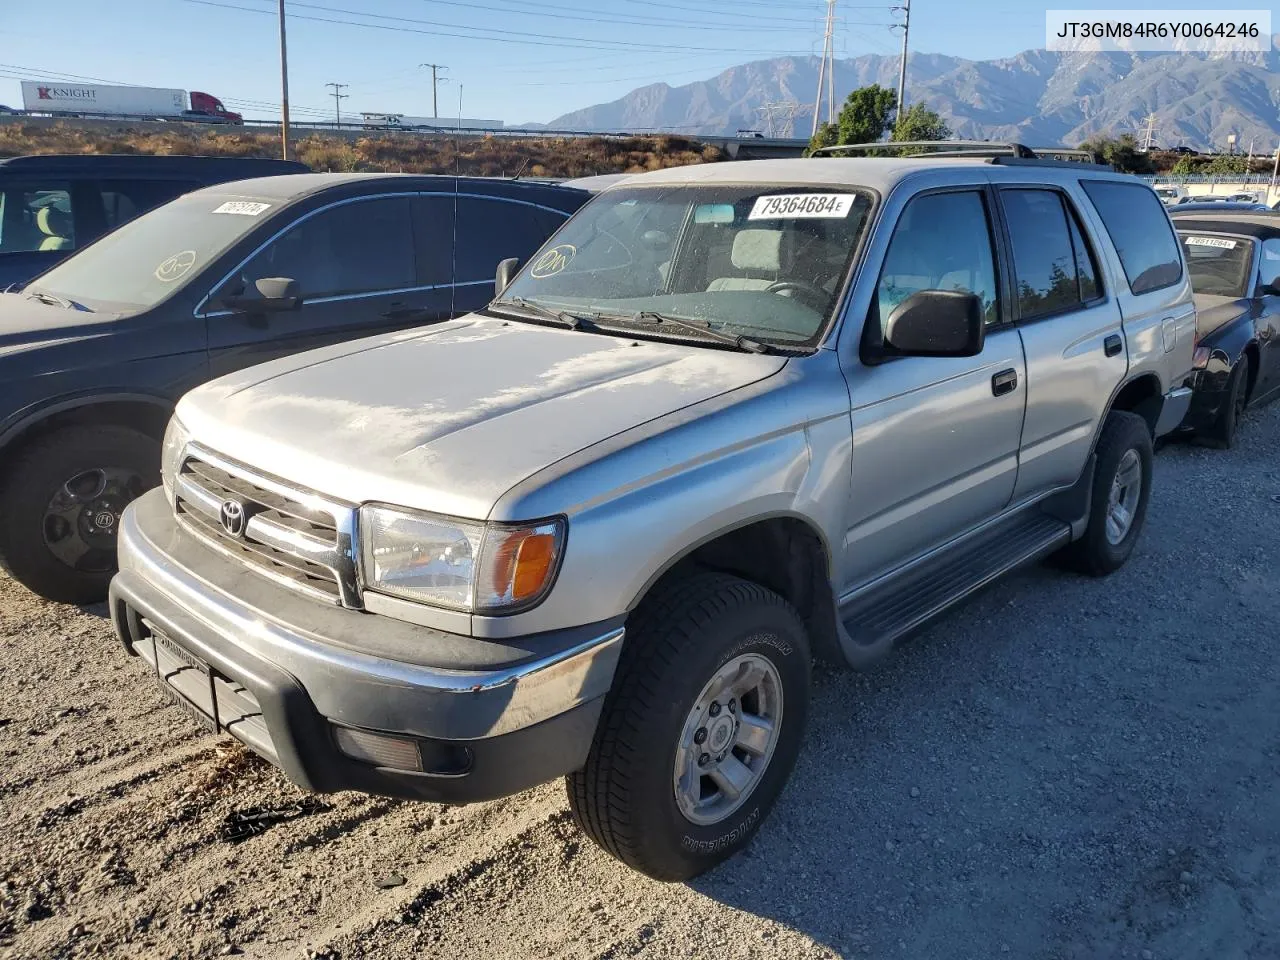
{"points": [[211, 105]]}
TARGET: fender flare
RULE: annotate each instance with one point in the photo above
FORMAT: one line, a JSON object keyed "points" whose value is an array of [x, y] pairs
{"points": [[37, 413]]}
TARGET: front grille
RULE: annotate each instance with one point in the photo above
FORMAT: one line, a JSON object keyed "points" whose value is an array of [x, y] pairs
{"points": [[294, 536]]}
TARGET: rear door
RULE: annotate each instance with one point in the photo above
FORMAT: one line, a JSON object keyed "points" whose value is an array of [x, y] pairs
{"points": [[935, 439], [1150, 283], [358, 272], [1071, 333]]}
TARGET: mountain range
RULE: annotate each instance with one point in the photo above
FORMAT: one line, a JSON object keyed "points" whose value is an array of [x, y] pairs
{"points": [[1035, 97]]}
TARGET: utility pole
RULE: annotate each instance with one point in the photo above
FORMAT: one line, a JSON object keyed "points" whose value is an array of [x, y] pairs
{"points": [[338, 97], [827, 70], [435, 83], [284, 91], [902, 67]]}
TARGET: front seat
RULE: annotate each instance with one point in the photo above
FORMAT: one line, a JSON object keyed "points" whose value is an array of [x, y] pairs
{"points": [[56, 227], [754, 252]]}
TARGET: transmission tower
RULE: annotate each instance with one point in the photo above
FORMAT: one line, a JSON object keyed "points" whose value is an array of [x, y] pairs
{"points": [[1148, 135], [827, 70], [780, 116], [905, 10]]}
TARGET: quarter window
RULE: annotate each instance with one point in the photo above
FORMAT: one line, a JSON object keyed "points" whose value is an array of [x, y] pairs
{"points": [[942, 242], [1139, 227], [1052, 266], [360, 247]]}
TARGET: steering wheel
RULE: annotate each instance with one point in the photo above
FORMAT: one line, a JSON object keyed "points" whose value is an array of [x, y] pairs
{"points": [[812, 295]]}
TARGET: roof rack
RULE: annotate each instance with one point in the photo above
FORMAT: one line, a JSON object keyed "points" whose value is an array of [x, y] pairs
{"points": [[994, 151]]}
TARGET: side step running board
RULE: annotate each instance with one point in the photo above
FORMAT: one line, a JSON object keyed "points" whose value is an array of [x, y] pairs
{"points": [[882, 614]]}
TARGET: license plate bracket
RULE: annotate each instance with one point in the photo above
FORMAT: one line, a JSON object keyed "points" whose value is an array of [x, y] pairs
{"points": [[179, 666]]}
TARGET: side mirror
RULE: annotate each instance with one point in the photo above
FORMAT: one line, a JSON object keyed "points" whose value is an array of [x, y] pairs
{"points": [[936, 323], [506, 271], [1271, 289], [275, 295]]}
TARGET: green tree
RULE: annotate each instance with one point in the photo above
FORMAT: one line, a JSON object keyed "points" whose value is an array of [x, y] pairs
{"points": [[1120, 152], [920, 123], [864, 118], [1184, 167], [827, 135], [1227, 163]]}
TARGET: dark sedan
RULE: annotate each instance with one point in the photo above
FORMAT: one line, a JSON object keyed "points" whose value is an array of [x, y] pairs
{"points": [[95, 352], [1234, 261]]}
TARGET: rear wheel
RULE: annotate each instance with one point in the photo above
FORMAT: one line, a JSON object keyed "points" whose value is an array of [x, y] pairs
{"points": [[1121, 490], [700, 730], [60, 505], [1223, 431]]}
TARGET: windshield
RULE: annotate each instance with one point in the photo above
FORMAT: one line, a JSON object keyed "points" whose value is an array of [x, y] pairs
{"points": [[1219, 265], [155, 255], [764, 262]]}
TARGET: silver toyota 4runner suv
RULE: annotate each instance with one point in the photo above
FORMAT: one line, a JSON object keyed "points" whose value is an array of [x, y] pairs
{"points": [[730, 418]]}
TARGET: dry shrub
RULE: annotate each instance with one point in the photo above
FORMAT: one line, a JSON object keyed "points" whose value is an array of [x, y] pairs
{"points": [[491, 156]]}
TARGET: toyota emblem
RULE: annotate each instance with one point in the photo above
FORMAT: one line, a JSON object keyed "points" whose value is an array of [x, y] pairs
{"points": [[232, 517]]}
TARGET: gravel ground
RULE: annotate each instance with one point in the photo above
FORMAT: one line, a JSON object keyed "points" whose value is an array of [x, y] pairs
{"points": [[1062, 768]]}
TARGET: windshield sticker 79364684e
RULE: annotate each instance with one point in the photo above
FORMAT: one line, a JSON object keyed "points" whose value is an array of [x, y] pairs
{"points": [[790, 206]]}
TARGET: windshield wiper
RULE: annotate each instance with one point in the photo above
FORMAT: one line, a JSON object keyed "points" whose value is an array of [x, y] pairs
{"points": [[739, 341], [563, 317], [53, 300]]}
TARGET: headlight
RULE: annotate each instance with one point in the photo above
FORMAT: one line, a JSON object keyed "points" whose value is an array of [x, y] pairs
{"points": [[175, 441], [458, 564]]}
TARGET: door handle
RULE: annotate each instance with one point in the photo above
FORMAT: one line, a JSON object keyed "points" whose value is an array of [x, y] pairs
{"points": [[1006, 381], [1112, 345]]}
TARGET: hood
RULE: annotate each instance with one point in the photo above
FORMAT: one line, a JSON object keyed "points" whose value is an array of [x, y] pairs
{"points": [[1213, 312], [450, 417], [25, 324]]}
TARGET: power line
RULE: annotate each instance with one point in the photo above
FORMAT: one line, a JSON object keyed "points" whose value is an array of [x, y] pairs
{"points": [[553, 40], [338, 97], [762, 22]]}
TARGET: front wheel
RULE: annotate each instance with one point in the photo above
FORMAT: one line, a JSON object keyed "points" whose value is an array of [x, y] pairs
{"points": [[1121, 490], [701, 728], [60, 503]]}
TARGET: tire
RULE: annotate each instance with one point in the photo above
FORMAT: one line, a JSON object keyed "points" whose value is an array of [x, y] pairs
{"points": [[678, 640], [1223, 431], [1124, 436], [45, 498]]}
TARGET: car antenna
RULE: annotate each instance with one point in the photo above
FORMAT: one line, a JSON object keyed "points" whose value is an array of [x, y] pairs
{"points": [[520, 172]]}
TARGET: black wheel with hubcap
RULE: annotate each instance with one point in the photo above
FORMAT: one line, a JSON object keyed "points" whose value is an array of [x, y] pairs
{"points": [[1223, 431], [701, 728], [1121, 490], [60, 503]]}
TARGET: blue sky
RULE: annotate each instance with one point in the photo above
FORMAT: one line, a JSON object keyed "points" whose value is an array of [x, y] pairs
{"points": [[516, 60]]}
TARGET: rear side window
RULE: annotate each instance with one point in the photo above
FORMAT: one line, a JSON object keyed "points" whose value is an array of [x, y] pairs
{"points": [[491, 229], [1052, 266], [36, 219], [122, 200], [1140, 230]]}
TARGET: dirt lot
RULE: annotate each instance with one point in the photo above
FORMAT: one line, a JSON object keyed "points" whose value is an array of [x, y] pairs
{"points": [[1062, 768]]}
